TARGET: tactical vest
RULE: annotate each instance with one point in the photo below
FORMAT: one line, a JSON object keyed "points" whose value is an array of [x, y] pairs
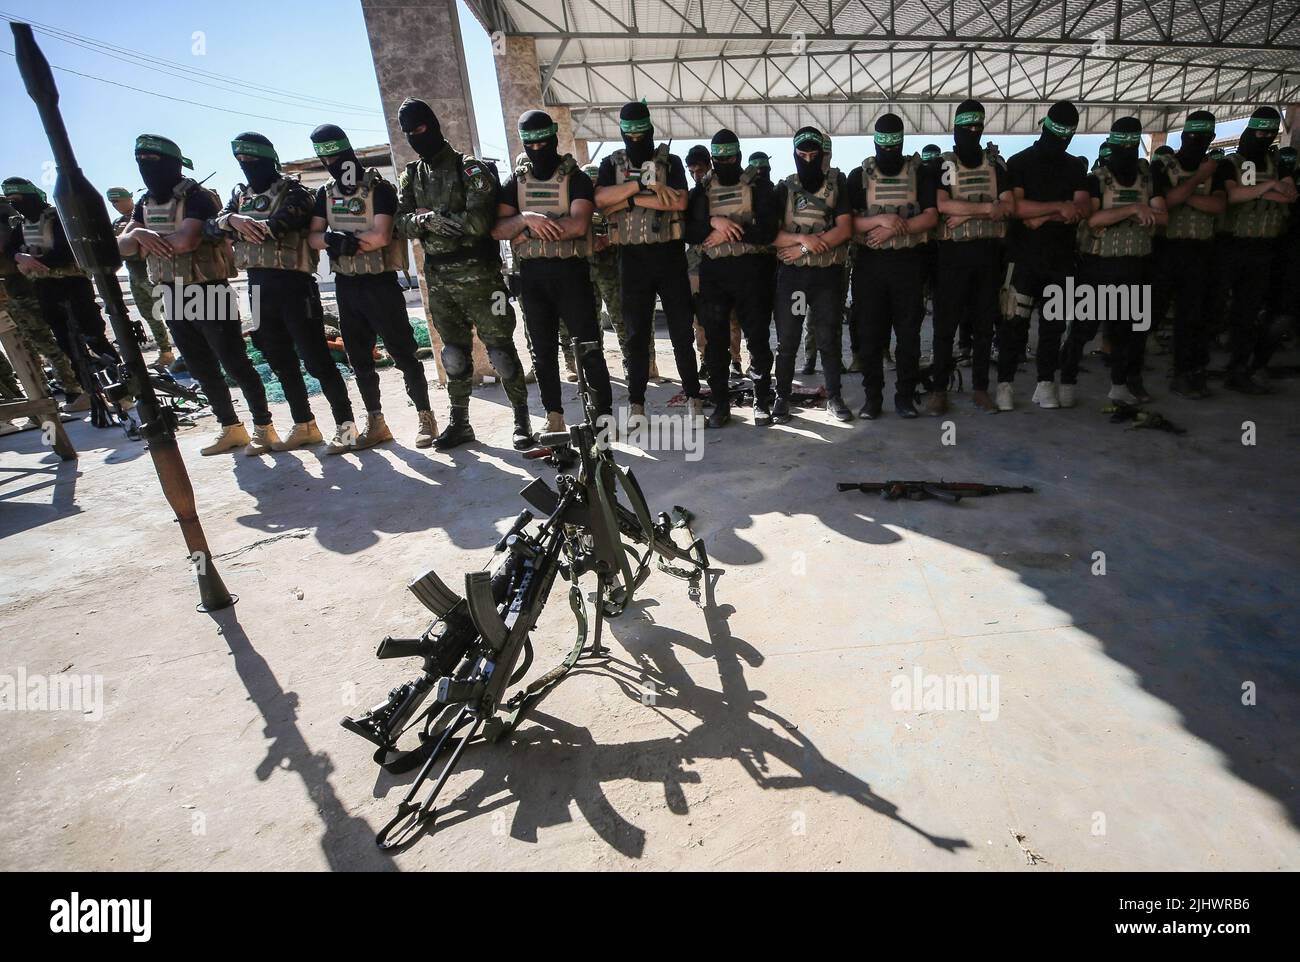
{"points": [[640, 225], [1185, 221], [39, 240], [976, 185], [119, 225], [355, 213], [443, 189], [735, 203], [210, 261], [290, 252], [812, 213], [549, 197], [892, 195], [1128, 238], [1259, 217]]}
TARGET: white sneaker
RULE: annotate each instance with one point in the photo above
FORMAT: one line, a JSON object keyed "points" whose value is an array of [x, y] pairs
{"points": [[1120, 394], [264, 440], [1004, 398], [1045, 395], [1065, 394]]}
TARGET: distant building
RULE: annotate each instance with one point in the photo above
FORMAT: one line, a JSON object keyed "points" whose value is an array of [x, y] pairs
{"points": [[313, 174]]}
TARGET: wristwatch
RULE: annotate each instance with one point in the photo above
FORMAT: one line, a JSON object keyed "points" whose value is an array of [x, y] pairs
{"points": [[804, 248]]}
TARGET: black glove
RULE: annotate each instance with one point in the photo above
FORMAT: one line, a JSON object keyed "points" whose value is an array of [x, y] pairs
{"points": [[341, 244]]}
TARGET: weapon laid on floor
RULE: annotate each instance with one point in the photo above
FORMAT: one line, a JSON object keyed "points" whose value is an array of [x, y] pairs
{"points": [[952, 491], [479, 643], [85, 221]]}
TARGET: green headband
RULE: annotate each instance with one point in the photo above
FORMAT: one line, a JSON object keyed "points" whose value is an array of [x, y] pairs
{"points": [[888, 140], [1119, 138], [591, 170], [1269, 124], [542, 133], [640, 125], [1061, 130], [253, 149], [931, 154], [1198, 126], [327, 147], [806, 137], [18, 185], [150, 144], [969, 118], [760, 160], [724, 150], [118, 193]]}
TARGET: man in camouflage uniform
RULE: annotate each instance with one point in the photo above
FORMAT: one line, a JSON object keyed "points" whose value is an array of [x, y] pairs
{"points": [[146, 301], [603, 267], [18, 300], [447, 201]]}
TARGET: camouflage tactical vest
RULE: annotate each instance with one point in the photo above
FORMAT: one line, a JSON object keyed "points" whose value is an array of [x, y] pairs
{"points": [[210, 261], [892, 195], [1259, 217], [290, 252], [119, 225], [1128, 238], [735, 203], [812, 213], [443, 189], [976, 185], [549, 197], [355, 213], [1185, 221], [39, 240], [640, 225]]}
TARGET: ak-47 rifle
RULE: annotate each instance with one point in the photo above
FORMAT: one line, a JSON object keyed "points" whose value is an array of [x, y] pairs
{"points": [[479, 644], [952, 491]]}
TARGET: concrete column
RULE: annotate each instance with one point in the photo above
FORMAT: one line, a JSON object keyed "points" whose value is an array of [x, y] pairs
{"points": [[519, 79], [1158, 139], [417, 53], [1291, 117], [581, 152]]}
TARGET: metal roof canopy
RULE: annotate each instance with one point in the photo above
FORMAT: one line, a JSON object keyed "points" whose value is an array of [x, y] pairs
{"points": [[767, 67]]}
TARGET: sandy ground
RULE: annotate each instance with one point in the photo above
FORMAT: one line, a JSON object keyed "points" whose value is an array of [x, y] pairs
{"points": [[749, 728]]}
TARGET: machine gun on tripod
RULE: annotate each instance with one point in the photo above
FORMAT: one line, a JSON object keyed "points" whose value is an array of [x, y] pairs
{"points": [[594, 522]]}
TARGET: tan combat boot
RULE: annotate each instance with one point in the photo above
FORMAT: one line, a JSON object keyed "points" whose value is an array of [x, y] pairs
{"points": [[555, 422], [232, 436], [375, 432], [264, 440], [301, 436], [345, 435], [428, 429]]}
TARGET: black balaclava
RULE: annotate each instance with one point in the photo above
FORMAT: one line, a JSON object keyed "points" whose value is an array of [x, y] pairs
{"points": [[1198, 134], [26, 197], [762, 163], [541, 139], [1058, 128], [1261, 131], [336, 154], [888, 138], [412, 114], [1286, 162], [810, 172], [264, 167], [1124, 140], [967, 128], [725, 148], [931, 156], [634, 118], [162, 173]]}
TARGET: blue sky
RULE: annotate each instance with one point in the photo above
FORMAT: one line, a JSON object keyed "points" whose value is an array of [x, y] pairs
{"points": [[313, 55]]}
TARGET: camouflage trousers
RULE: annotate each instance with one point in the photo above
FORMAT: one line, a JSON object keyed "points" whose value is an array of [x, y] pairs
{"points": [[147, 303], [468, 298], [18, 300]]}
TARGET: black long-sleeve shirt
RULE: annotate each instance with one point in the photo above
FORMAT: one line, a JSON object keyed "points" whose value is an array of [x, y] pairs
{"points": [[763, 228]]}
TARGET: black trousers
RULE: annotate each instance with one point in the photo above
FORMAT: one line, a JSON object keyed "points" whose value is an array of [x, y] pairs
{"points": [[60, 297], [1028, 281], [1183, 275], [818, 294], [1245, 277], [371, 308], [646, 270], [1127, 346], [288, 331], [740, 284], [211, 343], [552, 290], [966, 300], [887, 292]]}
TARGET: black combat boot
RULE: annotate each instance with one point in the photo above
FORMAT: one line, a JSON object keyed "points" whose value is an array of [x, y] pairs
{"points": [[1183, 386], [904, 406], [871, 409], [524, 438], [763, 410], [780, 411], [457, 431], [720, 416], [839, 410]]}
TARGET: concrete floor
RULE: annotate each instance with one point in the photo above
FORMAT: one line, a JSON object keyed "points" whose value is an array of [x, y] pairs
{"points": [[1120, 742]]}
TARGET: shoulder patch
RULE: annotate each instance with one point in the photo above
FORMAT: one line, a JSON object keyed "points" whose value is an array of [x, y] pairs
{"points": [[476, 175]]}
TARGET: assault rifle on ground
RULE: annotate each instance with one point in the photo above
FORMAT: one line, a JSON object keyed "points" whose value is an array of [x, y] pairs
{"points": [[479, 643], [952, 491]]}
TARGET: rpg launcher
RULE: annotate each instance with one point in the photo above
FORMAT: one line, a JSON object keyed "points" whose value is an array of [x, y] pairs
{"points": [[952, 491], [479, 645]]}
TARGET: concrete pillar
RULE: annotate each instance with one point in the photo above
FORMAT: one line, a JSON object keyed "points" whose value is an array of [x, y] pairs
{"points": [[1158, 139], [1291, 117], [519, 79], [417, 53], [581, 152]]}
